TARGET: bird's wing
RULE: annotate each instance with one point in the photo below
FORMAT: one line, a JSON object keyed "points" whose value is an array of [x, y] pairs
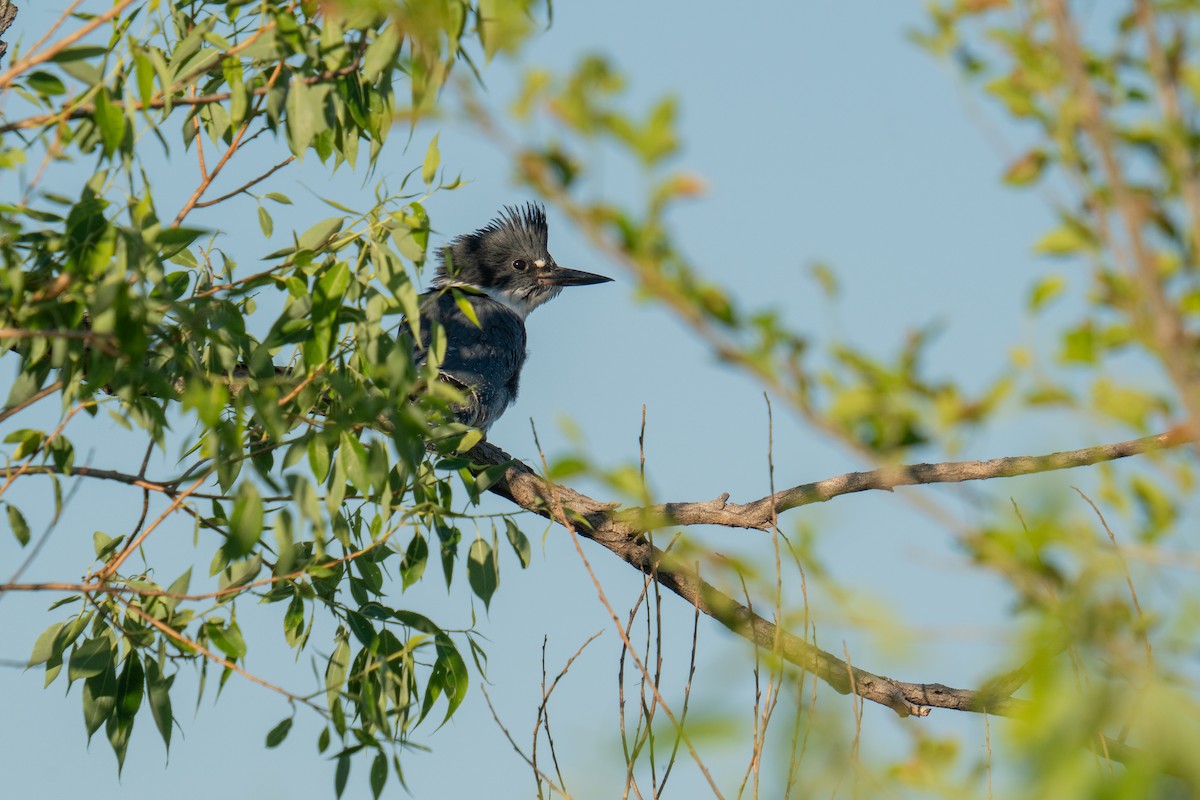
{"points": [[483, 359]]}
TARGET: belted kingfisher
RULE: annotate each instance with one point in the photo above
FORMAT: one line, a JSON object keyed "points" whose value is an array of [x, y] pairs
{"points": [[503, 271]]}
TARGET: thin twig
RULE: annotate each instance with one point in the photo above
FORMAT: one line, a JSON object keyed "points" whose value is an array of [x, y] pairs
{"points": [[28, 401], [211, 656], [1137, 606], [112, 566], [12, 474], [543, 712], [39, 57], [541, 775], [55, 25], [246, 186], [560, 516]]}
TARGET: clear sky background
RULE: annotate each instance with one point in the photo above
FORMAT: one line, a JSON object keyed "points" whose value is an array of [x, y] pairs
{"points": [[822, 134]]}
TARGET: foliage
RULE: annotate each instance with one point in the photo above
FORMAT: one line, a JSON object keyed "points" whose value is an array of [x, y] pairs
{"points": [[114, 302], [310, 485]]}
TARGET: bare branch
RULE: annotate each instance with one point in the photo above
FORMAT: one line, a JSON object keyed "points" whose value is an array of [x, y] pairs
{"points": [[596, 521], [759, 513], [16, 408], [246, 186]]}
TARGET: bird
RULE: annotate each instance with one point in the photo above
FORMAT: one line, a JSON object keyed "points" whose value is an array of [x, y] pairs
{"points": [[501, 273]]}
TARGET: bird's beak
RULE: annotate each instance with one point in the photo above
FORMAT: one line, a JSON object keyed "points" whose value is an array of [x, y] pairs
{"points": [[560, 276]]}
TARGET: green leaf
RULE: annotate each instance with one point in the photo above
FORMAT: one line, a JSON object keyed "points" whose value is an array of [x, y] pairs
{"points": [[341, 773], [483, 570], [246, 521], [415, 559], [20, 527], [1064, 240], [228, 638], [45, 84], [448, 538], [104, 544], [28, 441], [90, 658], [242, 572], [361, 627], [432, 158], [356, 463], [450, 671], [265, 223], [319, 234], [1046, 290], [469, 439], [99, 698], [43, 648], [293, 621], [302, 110], [318, 458], [520, 544], [118, 730], [145, 75], [1027, 169], [158, 691], [130, 686], [464, 305], [335, 670], [178, 586], [277, 734], [379, 773], [78, 53], [380, 53], [24, 386], [110, 121]]}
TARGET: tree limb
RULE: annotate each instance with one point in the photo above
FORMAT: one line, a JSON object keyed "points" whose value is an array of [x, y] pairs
{"points": [[596, 521], [758, 513], [622, 533], [8, 15]]}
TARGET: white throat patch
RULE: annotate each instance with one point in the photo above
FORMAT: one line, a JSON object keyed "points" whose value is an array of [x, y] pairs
{"points": [[518, 304]]}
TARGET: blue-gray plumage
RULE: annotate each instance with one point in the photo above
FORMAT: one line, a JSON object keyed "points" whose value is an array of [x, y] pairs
{"points": [[504, 271]]}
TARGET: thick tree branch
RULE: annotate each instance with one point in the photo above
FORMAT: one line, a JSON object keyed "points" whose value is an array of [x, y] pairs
{"points": [[8, 15], [622, 533], [597, 522]]}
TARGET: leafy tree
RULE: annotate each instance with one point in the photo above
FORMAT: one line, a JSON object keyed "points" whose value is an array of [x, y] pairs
{"points": [[322, 473]]}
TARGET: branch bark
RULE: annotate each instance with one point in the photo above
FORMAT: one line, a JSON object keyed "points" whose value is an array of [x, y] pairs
{"points": [[8, 15], [623, 534], [758, 513], [597, 522]]}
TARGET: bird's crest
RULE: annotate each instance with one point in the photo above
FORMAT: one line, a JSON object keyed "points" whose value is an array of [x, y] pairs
{"points": [[518, 228]]}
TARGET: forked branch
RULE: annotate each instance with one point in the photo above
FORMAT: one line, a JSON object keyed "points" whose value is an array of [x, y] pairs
{"points": [[623, 534]]}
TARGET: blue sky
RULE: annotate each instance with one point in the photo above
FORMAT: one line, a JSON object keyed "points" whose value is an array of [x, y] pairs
{"points": [[822, 135]]}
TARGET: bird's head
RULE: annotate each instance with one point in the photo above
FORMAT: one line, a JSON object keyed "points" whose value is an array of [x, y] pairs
{"points": [[508, 260]]}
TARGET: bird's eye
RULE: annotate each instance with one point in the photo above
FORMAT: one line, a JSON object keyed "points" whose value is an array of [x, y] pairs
{"points": [[519, 264]]}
